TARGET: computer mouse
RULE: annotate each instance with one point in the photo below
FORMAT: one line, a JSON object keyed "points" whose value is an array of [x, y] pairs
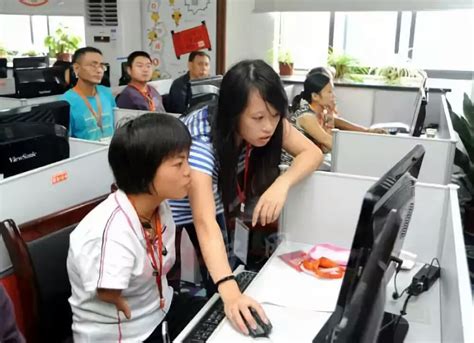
{"points": [[262, 330]]}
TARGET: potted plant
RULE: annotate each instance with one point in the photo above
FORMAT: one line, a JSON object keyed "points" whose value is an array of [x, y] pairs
{"points": [[62, 44], [464, 176], [346, 66], [285, 62], [3, 51]]}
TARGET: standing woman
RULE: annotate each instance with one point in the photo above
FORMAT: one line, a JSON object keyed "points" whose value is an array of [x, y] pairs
{"points": [[234, 156]]}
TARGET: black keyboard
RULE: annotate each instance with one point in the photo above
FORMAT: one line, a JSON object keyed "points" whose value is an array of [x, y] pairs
{"points": [[211, 319]]}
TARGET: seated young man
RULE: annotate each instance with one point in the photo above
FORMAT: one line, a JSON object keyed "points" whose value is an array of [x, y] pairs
{"points": [[138, 95], [198, 68], [92, 105], [121, 251]]}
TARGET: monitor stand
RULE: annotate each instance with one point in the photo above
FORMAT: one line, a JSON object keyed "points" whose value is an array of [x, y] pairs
{"points": [[393, 332]]}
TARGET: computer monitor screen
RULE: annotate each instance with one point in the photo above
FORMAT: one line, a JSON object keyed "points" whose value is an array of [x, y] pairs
{"points": [[31, 83], [31, 62], [3, 68], [55, 112], [419, 115], [29, 145], [394, 191], [203, 90]]}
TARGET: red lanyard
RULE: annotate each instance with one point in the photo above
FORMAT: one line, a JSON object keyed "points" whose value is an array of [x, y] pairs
{"points": [[241, 192], [146, 95], [157, 273], [97, 115]]}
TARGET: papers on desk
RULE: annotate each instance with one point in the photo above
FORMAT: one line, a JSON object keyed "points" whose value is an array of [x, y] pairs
{"points": [[289, 325], [279, 288]]}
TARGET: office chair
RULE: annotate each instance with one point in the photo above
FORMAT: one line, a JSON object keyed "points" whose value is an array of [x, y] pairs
{"points": [[40, 268]]}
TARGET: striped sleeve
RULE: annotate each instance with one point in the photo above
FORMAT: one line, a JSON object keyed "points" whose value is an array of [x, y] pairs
{"points": [[201, 157]]}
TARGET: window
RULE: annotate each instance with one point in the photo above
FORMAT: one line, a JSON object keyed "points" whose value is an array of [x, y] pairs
{"points": [[444, 40], [18, 34], [306, 35], [15, 33], [367, 36]]}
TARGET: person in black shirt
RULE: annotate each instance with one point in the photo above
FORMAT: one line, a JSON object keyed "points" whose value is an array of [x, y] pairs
{"points": [[198, 68]]}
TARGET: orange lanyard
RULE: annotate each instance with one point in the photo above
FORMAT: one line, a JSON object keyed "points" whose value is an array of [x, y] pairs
{"points": [[97, 115], [147, 96], [241, 192], [157, 272]]}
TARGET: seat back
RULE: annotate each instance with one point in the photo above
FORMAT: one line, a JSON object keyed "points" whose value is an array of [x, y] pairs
{"points": [[21, 261], [48, 256], [40, 267]]}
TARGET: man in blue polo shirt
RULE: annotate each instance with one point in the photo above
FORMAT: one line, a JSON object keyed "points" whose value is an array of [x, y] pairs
{"points": [[92, 105]]}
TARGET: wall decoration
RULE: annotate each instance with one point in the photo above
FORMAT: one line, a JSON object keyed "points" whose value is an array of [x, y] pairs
{"points": [[197, 5], [171, 29], [195, 38], [176, 15]]}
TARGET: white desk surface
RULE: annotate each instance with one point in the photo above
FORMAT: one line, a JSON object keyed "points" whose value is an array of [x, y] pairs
{"points": [[299, 304]]}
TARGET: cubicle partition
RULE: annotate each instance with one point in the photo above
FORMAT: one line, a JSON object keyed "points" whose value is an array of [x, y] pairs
{"points": [[324, 208], [444, 313], [373, 154], [84, 176], [7, 103]]}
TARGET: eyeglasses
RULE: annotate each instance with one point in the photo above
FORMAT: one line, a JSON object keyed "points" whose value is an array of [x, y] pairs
{"points": [[102, 66]]}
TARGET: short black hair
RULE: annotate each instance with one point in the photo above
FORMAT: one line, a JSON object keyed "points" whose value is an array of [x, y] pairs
{"points": [[140, 145], [136, 54], [82, 51], [193, 55]]}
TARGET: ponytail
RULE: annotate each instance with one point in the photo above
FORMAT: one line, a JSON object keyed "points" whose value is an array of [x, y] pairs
{"points": [[295, 105]]}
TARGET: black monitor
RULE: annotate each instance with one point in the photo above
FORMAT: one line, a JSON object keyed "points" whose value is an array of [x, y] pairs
{"points": [[33, 136], [55, 112], [203, 91], [419, 115], [3, 68], [32, 83], [383, 223], [124, 77], [31, 62], [29, 145]]}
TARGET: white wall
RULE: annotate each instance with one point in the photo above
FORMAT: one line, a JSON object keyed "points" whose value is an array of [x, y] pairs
{"points": [[248, 34], [52, 7], [124, 38]]}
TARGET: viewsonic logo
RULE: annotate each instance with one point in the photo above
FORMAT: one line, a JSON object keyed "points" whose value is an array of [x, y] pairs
{"points": [[23, 157]]}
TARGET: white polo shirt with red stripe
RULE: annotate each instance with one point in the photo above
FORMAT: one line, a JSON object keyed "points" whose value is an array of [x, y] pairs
{"points": [[108, 250]]}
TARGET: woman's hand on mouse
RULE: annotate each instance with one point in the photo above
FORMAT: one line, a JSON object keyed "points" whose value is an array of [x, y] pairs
{"points": [[271, 202], [237, 308]]}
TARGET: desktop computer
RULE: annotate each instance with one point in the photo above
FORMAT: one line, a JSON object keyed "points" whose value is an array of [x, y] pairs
{"points": [[383, 223], [203, 91], [33, 136], [32, 83], [30, 62]]}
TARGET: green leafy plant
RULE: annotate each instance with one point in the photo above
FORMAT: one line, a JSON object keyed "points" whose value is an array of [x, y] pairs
{"points": [[346, 66], [3, 51], [285, 56], [61, 42], [30, 53], [464, 126], [393, 74]]}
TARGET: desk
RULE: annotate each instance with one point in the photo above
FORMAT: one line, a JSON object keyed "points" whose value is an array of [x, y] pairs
{"points": [[443, 314], [299, 315]]}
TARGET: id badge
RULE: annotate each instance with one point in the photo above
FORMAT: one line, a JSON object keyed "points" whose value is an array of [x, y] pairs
{"points": [[241, 240]]}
